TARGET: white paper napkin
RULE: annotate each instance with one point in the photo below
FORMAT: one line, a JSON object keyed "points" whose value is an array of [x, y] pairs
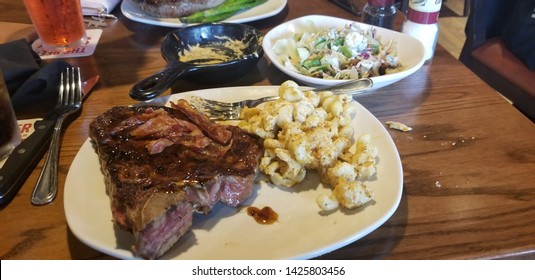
{"points": [[98, 7]]}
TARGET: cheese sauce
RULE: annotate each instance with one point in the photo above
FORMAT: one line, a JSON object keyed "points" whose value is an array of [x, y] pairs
{"points": [[214, 53]]}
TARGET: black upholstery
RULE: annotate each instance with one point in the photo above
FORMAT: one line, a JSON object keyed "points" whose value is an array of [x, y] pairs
{"points": [[484, 27]]}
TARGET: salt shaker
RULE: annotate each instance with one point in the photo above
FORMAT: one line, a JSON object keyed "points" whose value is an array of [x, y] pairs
{"points": [[421, 22], [379, 13]]}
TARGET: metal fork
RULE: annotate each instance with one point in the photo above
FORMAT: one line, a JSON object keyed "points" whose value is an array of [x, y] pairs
{"points": [[218, 110], [69, 101]]}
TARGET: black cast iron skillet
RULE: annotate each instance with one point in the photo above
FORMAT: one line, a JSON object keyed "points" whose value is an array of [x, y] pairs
{"points": [[178, 45]]}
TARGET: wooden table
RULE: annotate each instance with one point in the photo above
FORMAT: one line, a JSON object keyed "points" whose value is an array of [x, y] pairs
{"points": [[469, 163]]}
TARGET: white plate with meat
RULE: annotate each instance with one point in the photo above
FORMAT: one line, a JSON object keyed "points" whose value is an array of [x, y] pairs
{"points": [[301, 231], [268, 9]]}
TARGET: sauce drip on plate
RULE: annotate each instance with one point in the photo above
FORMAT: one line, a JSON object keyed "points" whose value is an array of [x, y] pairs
{"points": [[264, 216]]}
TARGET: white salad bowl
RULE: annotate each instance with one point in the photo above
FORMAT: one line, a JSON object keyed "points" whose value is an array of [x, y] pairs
{"points": [[410, 50]]}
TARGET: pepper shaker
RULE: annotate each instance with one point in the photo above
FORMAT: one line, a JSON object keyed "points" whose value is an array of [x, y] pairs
{"points": [[379, 13]]}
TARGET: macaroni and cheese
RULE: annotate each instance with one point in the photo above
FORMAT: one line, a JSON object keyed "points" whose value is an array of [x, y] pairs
{"points": [[305, 130]]}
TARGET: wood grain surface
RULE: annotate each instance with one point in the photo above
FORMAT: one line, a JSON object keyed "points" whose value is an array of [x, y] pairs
{"points": [[469, 162]]}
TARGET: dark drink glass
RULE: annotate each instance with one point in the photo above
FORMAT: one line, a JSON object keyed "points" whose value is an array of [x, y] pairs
{"points": [[9, 128]]}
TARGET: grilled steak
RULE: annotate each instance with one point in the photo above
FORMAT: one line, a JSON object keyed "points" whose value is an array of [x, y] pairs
{"points": [[175, 8], [161, 164]]}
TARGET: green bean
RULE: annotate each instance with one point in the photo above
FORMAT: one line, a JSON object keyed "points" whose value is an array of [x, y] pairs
{"points": [[346, 51], [221, 12], [313, 62], [338, 41]]}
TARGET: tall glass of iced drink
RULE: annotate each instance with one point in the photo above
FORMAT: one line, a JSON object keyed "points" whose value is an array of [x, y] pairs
{"points": [[59, 23]]}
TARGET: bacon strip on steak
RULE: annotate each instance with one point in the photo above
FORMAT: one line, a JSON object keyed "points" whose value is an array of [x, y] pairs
{"points": [[174, 8], [161, 164]]}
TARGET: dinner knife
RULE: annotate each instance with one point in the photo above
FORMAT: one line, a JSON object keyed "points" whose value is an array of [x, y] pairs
{"points": [[27, 154]]}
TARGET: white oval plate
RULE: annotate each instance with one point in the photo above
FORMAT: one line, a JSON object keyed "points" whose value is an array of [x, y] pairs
{"points": [[301, 231], [410, 50], [268, 9]]}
